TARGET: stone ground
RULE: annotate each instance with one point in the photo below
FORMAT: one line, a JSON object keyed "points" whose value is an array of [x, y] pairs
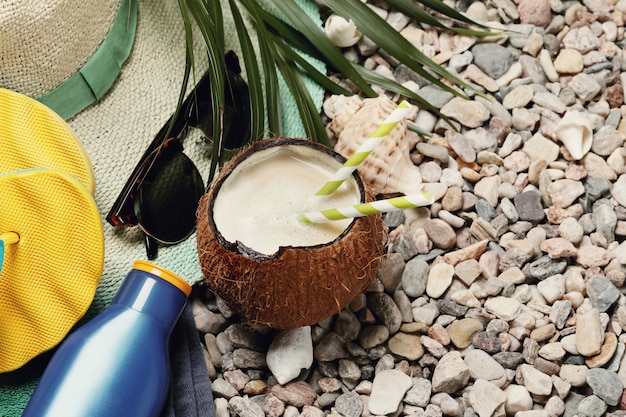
{"points": [[506, 296]]}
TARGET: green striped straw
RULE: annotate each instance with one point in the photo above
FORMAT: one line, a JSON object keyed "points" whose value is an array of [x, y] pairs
{"points": [[366, 148], [365, 209]]}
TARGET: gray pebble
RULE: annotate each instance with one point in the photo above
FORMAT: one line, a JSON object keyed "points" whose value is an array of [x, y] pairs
{"points": [[529, 207], [602, 292], [385, 310], [394, 218], [414, 277], [492, 58], [545, 267], [390, 271], [485, 210], [349, 404], [591, 406], [405, 246]]}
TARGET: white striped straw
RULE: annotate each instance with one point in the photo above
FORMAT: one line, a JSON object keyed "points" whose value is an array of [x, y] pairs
{"points": [[365, 209], [366, 148]]}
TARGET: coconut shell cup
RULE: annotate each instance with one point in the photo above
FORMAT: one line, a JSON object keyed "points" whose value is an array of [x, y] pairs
{"points": [[297, 285]]}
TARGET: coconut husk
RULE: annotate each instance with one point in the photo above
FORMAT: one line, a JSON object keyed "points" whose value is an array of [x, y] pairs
{"points": [[296, 286]]}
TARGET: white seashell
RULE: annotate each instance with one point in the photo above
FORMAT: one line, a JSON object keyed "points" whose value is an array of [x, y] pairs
{"points": [[339, 106], [388, 169], [341, 32], [575, 131]]}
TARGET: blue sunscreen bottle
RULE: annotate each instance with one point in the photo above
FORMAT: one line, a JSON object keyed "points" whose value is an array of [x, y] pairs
{"points": [[117, 364]]}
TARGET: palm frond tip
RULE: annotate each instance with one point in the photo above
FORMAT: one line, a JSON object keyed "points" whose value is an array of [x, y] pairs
{"points": [[282, 41]]}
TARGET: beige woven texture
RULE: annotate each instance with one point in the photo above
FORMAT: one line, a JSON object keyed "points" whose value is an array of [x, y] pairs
{"points": [[44, 42]]}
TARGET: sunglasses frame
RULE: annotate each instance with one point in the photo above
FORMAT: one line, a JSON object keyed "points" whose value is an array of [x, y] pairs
{"points": [[123, 211]]}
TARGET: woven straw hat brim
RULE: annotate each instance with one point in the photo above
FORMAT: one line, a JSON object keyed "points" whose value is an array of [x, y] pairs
{"points": [[66, 53]]}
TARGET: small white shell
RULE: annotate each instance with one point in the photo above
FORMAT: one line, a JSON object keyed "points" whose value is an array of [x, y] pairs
{"points": [[341, 32], [575, 131], [388, 169]]}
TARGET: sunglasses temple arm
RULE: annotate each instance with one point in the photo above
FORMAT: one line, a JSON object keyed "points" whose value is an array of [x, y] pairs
{"points": [[122, 212]]}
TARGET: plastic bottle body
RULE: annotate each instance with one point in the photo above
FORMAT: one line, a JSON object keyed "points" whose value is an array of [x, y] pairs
{"points": [[116, 364]]}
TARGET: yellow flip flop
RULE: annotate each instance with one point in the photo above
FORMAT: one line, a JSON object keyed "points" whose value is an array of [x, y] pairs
{"points": [[52, 248], [34, 136]]}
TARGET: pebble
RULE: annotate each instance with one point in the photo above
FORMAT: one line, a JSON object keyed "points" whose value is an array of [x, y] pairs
{"points": [[440, 233], [415, 277], [589, 333], [439, 279], [591, 406], [290, 352], [605, 384], [385, 310], [602, 293], [462, 331], [296, 393], [608, 349], [520, 96], [349, 404], [482, 366], [503, 307], [244, 407], [517, 399], [493, 59], [451, 373], [471, 114], [407, 346], [529, 207], [569, 61], [388, 389], [535, 381]]}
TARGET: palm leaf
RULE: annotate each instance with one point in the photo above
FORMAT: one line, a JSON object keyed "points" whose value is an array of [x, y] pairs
{"points": [[387, 38], [272, 86], [252, 70], [317, 76], [209, 25], [424, 17], [315, 35], [279, 49]]}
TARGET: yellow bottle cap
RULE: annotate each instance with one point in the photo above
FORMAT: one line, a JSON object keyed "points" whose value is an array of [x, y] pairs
{"points": [[164, 274]]}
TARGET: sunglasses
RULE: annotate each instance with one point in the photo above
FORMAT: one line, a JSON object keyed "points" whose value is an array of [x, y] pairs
{"points": [[162, 192]]}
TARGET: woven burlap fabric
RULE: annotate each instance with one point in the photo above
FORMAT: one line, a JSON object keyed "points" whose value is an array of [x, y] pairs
{"points": [[116, 130], [43, 44]]}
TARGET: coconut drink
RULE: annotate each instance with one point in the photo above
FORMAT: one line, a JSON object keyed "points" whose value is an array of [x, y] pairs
{"points": [[259, 256]]}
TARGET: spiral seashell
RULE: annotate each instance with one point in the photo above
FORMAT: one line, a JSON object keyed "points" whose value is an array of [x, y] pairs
{"points": [[575, 131], [341, 32], [388, 169]]}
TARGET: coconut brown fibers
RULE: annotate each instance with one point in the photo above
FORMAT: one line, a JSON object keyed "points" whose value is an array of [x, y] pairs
{"points": [[296, 286]]}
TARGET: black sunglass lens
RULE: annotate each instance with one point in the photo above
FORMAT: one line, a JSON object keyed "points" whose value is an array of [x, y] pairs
{"points": [[168, 197]]}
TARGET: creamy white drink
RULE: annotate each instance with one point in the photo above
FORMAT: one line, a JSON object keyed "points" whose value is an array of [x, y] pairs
{"points": [[260, 201]]}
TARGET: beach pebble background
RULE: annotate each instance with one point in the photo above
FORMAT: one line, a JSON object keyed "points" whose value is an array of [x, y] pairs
{"points": [[506, 296]]}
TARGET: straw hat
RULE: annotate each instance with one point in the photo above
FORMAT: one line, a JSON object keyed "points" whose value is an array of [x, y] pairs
{"points": [[51, 48]]}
